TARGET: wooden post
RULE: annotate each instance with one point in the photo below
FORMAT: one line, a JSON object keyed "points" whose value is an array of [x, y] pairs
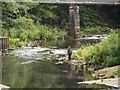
{"points": [[74, 22], [5, 45], [8, 44], [2, 46]]}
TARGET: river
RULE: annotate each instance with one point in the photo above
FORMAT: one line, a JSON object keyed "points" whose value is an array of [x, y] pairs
{"points": [[35, 67]]}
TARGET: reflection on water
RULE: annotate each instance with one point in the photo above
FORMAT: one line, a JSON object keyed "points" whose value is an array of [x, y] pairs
{"points": [[42, 74], [36, 68]]}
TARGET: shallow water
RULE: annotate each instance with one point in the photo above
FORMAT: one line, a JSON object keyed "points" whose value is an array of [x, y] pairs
{"points": [[35, 68]]}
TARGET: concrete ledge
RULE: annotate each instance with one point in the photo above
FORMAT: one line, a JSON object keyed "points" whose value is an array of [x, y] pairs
{"points": [[3, 87], [114, 82]]}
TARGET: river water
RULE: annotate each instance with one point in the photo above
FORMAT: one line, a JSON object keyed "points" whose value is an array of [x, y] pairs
{"points": [[35, 67]]}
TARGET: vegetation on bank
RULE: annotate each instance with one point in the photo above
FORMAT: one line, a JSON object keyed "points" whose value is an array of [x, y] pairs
{"points": [[23, 36], [104, 54], [27, 21], [25, 30]]}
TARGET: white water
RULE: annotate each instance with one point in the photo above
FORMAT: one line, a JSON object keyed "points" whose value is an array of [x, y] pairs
{"points": [[38, 54]]}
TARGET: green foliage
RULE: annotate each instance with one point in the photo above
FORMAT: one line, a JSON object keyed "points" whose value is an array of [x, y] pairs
{"points": [[117, 73], [24, 22], [89, 17], [104, 53], [20, 19], [9, 13], [40, 12]]}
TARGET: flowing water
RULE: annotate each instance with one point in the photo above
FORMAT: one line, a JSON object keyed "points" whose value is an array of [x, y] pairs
{"points": [[35, 67]]}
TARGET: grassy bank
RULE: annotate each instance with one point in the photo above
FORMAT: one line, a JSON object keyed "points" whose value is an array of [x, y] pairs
{"points": [[103, 54]]}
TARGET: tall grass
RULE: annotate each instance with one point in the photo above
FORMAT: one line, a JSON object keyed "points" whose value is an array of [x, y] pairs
{"points": [[104, 54]]}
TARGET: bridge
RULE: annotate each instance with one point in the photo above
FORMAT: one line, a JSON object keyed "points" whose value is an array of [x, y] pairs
{"points": [[74, 17], [69, 1], [78, 1]]}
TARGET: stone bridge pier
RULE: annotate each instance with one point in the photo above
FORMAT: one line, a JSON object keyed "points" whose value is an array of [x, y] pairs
{"points": [[74, 22]]}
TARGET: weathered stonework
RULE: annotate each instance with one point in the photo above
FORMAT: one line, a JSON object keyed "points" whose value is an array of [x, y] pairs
{"points": [[74, 22]]}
